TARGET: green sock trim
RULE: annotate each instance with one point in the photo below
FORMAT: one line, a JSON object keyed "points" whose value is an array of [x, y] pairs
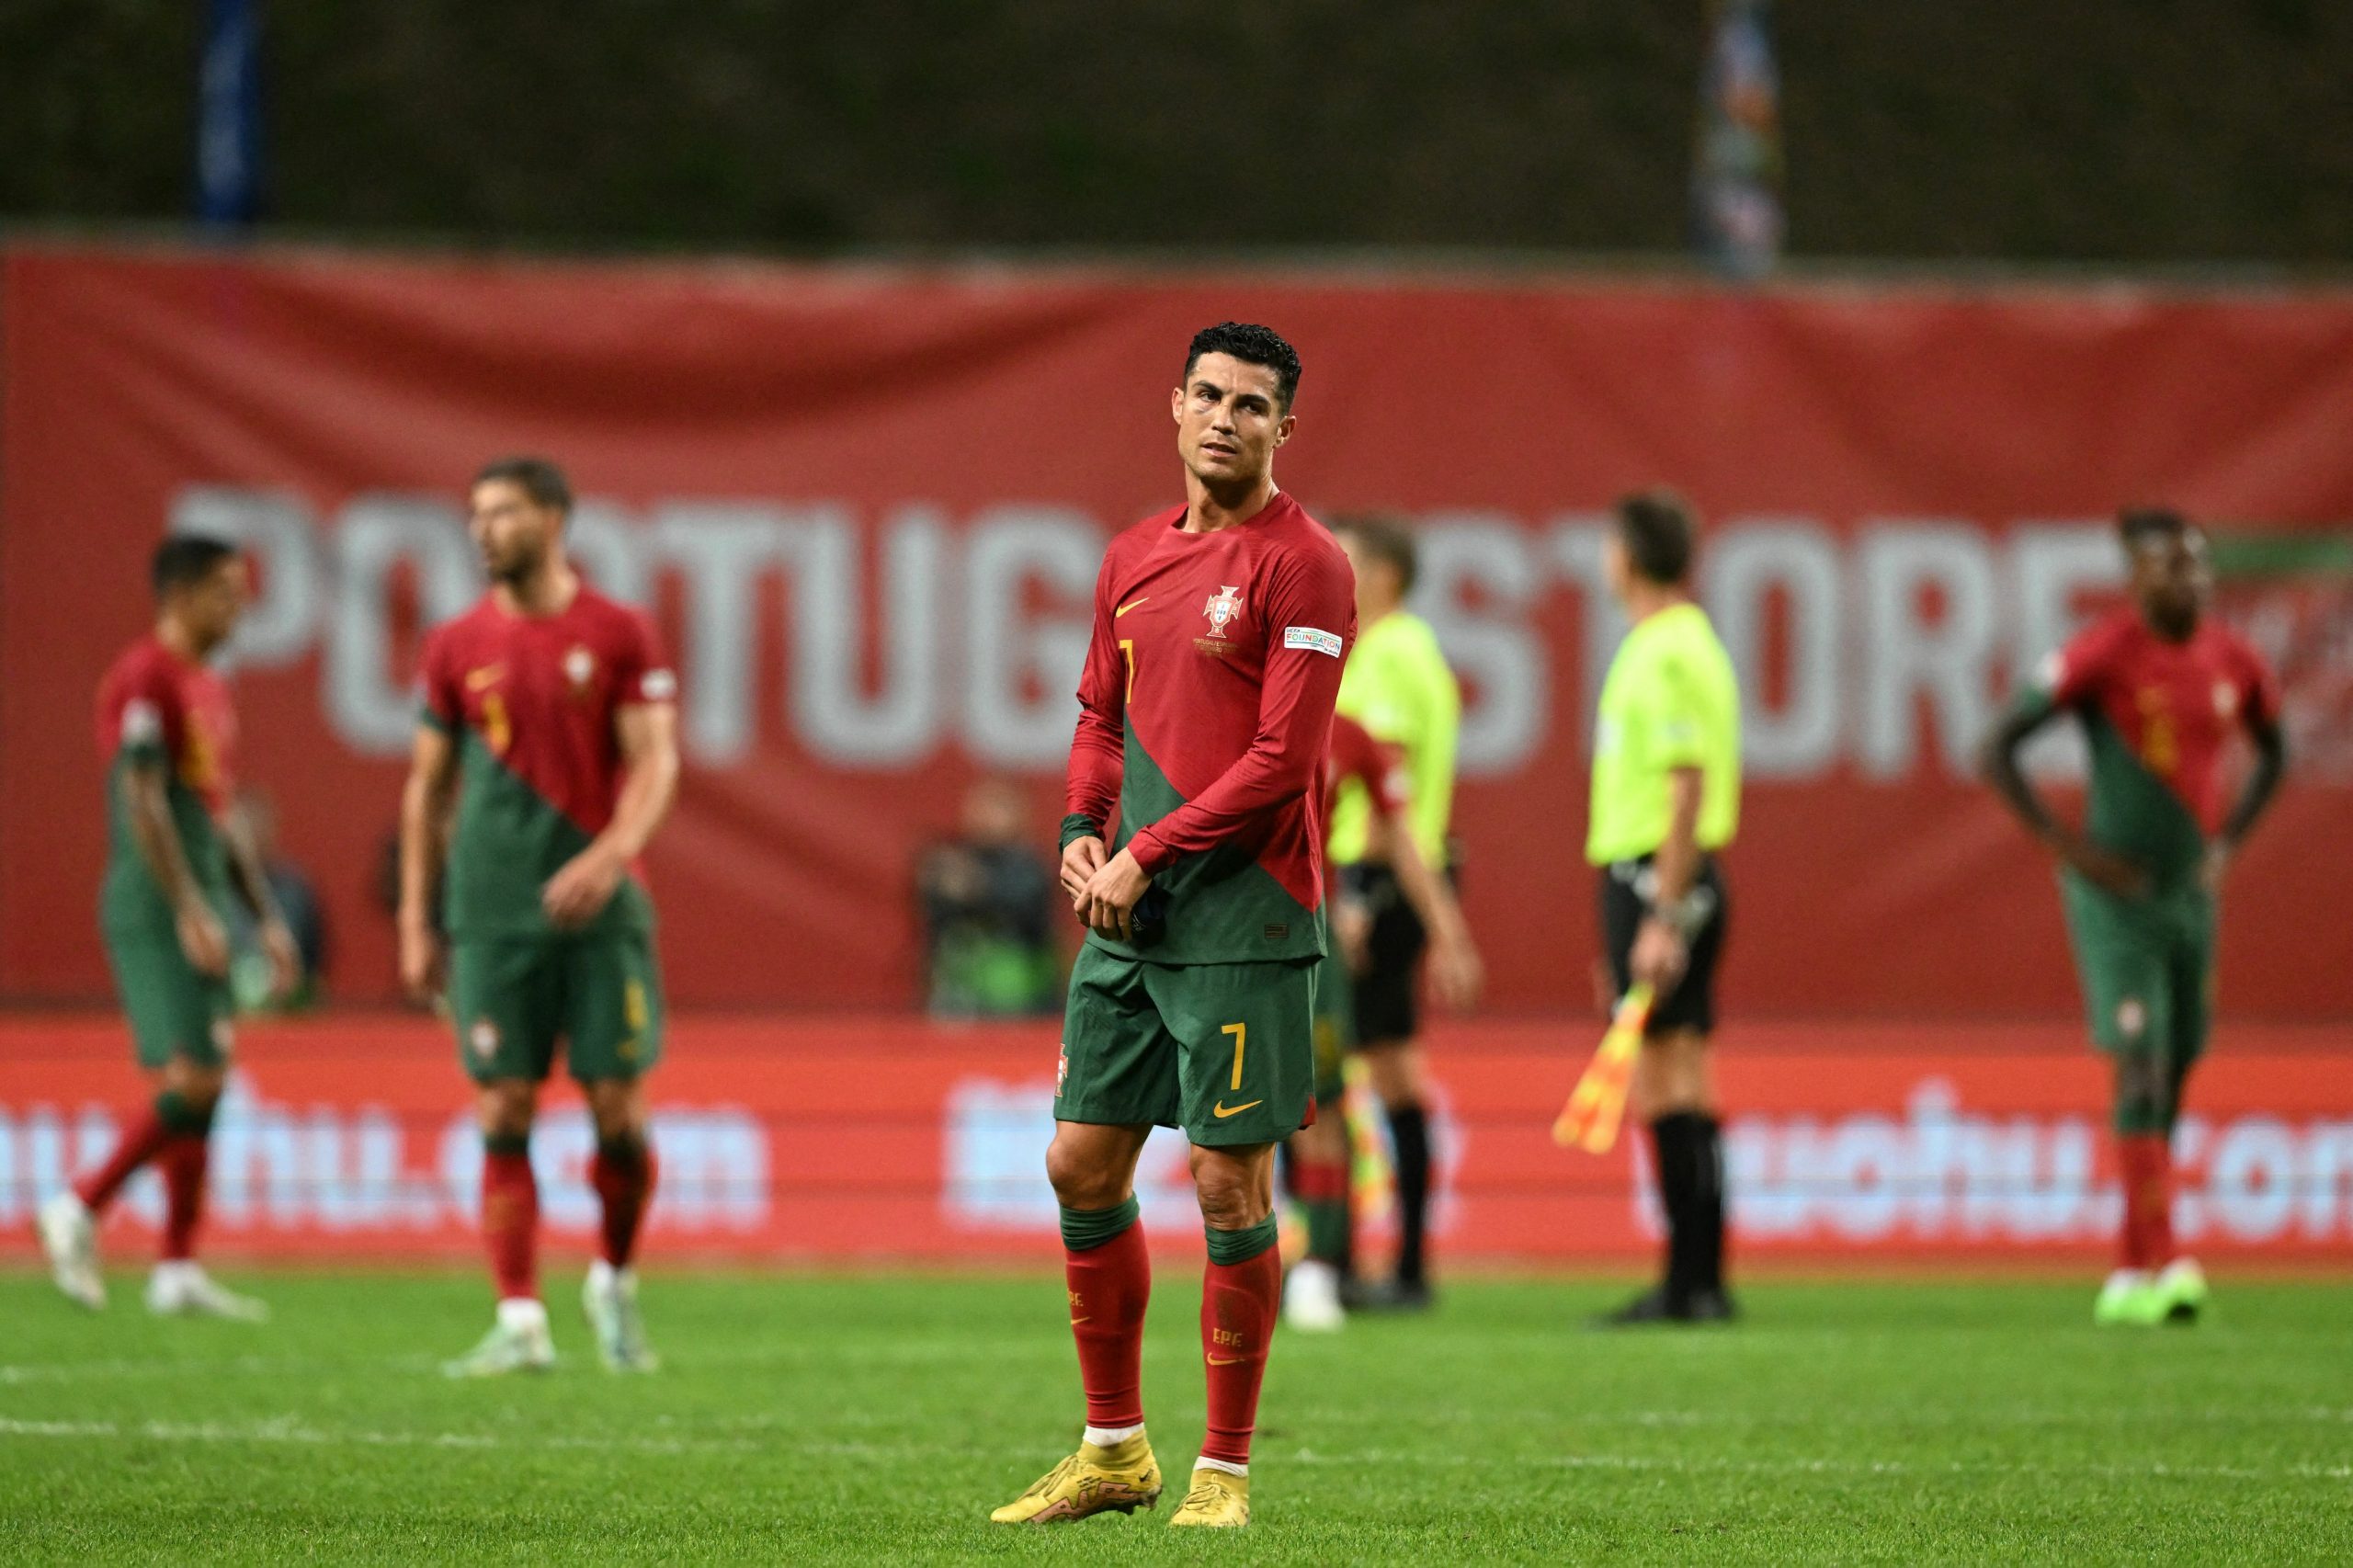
{"points": [[1087, 1228], [506, 1143], [173, 1109], [1241, 1246]]}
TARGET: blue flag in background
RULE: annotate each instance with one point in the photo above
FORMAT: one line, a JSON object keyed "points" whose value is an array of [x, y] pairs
{"points": [[228, 129]]}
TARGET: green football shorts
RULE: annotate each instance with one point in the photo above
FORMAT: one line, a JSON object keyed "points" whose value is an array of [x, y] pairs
{"points": [[513, 997], [174, 1011], [1224, 1050], [2147, 968]]}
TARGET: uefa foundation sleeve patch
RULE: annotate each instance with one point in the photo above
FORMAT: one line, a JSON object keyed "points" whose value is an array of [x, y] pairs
{"points": [[1311, 638]]}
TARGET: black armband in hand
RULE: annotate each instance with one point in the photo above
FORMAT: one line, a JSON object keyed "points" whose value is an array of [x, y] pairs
{"points": [[1078, 825]]}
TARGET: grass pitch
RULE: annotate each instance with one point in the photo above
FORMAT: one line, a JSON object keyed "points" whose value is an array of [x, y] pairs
{"points": [[879, 1418]]}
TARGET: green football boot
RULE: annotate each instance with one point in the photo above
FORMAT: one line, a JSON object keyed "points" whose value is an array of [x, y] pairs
{"points": [[2182, 1285], [2131, 1299]]}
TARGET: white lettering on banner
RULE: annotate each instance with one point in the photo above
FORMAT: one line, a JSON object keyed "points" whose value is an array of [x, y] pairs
{"points": [[372, 705], [899, 726], [1937, 1173], [1913, 656], [1897, 638], [355, 1170], [1797, 561], [1020, 681], [996, 1135], [721, 548], [1478, 585]]}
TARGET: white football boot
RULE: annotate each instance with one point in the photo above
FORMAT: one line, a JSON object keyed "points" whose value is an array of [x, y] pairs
{"points": [[69, 1234]]}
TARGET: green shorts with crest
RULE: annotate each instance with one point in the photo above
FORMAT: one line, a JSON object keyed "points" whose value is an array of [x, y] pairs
{"points": [[2147, 968], [1224, 1050], [175, 1012], [513, 998]]}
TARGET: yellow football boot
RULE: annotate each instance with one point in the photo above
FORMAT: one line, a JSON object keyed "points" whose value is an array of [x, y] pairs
{"points": [[1216, 1499], [1124, 1477]]}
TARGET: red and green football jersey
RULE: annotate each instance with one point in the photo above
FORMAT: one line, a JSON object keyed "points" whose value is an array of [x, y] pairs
{"points": [[153, 705], [1205, 709], [2158, 716], [531, 701]]}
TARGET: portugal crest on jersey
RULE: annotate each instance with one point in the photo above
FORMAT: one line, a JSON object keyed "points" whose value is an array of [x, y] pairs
{"points": [[1223, 605]]}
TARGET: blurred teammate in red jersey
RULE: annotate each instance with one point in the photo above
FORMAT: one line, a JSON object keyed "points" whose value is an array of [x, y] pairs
{"points": [[2160, 688], [1319, 1153], [550, 714], [168, 729], [1205, 708]]}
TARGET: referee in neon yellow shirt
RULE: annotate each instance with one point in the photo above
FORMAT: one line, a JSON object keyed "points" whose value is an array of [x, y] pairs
{"points": [[1398, 686], [1665, 801]]}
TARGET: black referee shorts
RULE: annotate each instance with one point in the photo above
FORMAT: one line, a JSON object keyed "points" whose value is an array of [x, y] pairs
{"points": [[1387, 995], [1628, 889]]}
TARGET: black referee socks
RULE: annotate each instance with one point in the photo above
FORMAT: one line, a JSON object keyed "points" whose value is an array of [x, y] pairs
{"points": [[1688, 1149]]}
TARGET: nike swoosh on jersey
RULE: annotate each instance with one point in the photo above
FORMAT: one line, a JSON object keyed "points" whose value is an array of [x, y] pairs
{"points": [[1222, 1110], [1129, 605], [489, 675]]}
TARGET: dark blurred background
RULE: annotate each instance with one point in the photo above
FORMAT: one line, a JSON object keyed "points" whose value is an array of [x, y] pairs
{"points": [[2072, 130]]}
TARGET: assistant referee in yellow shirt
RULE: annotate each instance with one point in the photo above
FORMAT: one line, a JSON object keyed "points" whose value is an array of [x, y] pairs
{"points": [[1398, 686], [1665, 801]]}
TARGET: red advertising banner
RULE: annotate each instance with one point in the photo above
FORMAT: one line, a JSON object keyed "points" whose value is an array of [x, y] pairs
{"points": [[862, 1138], [867, 505]]}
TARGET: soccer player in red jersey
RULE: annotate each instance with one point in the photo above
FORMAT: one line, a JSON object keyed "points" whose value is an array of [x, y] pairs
{"points": [[1318, 1154], [549, 713], [168, 729], [2159, 688], [1221, 628]]}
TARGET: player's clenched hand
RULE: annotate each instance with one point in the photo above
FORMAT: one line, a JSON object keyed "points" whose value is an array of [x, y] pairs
{"points": [[2105, 869], [1659, 956], [1082, 858], [420, 956], [579, 890], [1108, 902], [203, 938]]}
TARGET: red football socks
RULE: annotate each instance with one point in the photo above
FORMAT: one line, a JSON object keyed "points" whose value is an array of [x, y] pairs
{"points": [[1238, 1306], [182, 1163], [1109, 1283], [510, 1221], [2146, 1238], [142, 1141], [623, 1173]]}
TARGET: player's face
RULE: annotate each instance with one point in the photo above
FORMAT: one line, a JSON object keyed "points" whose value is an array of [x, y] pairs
{"points": [[513, 532], [212, 606], [1228, 421], [2172, 579]]}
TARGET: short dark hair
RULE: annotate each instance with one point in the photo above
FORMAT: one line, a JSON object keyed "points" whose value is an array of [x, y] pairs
{"points": [[540, 478], [182, 561], [1386, 538], [1659, 533], [2139, 526], [1252, 345]]}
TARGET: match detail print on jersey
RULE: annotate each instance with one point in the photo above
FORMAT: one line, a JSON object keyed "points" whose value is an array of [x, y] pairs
{"points": [[1204, 717]]}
